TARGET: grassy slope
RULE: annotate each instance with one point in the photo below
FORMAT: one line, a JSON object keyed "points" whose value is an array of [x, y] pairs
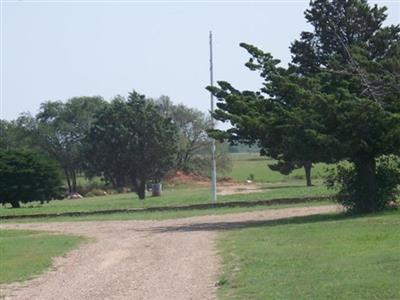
{"points": [[171, 197], [245, 164], [321, 257], [27, 253]]}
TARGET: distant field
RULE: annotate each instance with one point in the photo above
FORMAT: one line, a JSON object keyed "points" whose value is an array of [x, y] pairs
{"points": [[317, 257], [27, 253], [245, 164]]}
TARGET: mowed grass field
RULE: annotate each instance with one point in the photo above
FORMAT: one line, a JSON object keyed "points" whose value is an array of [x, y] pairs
{"points": [[25, 253], [245, 164], [316, 257], [273, 184], [171, 197]]}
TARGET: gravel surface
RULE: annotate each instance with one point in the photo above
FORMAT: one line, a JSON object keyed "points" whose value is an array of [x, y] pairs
{"points": [[172, 259]]}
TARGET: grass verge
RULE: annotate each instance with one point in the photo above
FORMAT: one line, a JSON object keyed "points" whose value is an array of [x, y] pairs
{"points": [[163, 215], [316, 257], [25, 253]]}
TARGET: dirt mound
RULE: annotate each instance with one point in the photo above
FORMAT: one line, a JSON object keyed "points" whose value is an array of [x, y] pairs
{"points": [[181, 177]]}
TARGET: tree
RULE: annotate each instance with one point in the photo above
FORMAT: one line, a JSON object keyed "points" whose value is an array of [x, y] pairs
{"points": [[131, 143], [18, 134], [61, 130], [194, 145], [192, 125], [340, 95], [27, 176], [6, 137], [261, 121], [201, 161]]}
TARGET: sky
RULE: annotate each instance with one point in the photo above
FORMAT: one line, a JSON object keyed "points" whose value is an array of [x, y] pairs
{"points": [[55, 50]]}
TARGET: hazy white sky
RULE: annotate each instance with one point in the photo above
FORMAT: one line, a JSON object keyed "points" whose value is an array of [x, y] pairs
{"points": [[54, 50]]}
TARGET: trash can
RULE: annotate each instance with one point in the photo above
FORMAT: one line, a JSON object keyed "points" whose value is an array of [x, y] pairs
{"points": [[156, 189]]}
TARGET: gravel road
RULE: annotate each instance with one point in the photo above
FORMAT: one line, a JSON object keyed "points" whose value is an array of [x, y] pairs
{"points": [[172, 259]]}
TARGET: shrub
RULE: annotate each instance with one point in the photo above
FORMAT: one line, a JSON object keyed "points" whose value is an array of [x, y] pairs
{"points": [[350, 190], [27, 176], [91, 189]]}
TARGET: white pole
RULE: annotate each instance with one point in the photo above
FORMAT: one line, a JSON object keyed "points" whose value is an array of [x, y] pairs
{"points": [[213, 163]]}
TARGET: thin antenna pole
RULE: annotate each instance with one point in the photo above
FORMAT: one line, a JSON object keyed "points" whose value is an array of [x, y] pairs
{"points": [[213, 163]]}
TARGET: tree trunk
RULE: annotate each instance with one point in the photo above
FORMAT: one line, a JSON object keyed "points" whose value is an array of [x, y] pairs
{"points": [[73, 175], [15, 204], [68, 181], [367, 189], [141, 189], [307, 168]]}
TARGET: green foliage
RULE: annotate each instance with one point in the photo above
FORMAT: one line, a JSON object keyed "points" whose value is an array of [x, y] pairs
{"points": [[194, 146], [27, 176], [344, 179], [201, 162], [61, 130], [18, 134], [131, 143], [338, 100]]}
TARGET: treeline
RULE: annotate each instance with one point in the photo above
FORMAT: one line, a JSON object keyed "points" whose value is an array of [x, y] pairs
{"points": [[127, 141]]}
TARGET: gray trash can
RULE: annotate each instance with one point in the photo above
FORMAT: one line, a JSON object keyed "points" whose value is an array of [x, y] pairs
{"points": [[156, 189]]}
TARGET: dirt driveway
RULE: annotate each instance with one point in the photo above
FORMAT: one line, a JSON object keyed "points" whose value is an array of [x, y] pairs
{"points": [[172, 259]]}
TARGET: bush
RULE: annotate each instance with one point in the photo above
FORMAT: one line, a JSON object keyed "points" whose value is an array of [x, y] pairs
{"points": [[91, 189], [350, 190], [97, 192], [27, 176]]}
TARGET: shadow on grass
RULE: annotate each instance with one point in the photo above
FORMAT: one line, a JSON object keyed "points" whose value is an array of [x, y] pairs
{"points": [[216, 226], [277, 187]]}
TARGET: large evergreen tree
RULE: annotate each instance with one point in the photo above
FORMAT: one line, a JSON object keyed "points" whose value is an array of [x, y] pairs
{"points": [[338, 100]]}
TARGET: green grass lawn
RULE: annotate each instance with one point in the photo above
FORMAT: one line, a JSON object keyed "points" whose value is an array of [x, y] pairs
{"points": [[316, 257], [163, 215], [170, 197], [245, 164], [27, 253]]}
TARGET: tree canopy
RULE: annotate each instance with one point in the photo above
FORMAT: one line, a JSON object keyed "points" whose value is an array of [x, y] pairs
{"points": [[339, 99], [131, 143], [192, 126], [61, 129], [27, 176]]}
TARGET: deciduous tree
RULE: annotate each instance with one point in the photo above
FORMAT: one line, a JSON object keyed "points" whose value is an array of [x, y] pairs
{"points": [[131, 143]]}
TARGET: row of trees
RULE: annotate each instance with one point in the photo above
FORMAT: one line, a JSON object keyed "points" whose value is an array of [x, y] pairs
{"points": [[128, 141], [338, 99]]}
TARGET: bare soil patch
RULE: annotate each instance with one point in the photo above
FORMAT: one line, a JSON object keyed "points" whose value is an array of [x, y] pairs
{"points": [[239, 188], [226, 185]]}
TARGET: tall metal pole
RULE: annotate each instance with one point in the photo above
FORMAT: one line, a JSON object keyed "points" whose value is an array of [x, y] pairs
{"points": [[213, 163]]}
